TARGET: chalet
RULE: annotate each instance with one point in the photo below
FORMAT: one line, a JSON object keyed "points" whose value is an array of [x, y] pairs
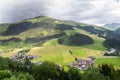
{"points": [[82, 64], [91, 58], [31, 57], [109, 52], [38, 63], [21, 57]]}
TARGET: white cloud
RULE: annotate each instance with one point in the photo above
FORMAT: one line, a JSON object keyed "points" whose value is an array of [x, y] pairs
{"points": [[105, 11], [69, 9], [97, 12]]}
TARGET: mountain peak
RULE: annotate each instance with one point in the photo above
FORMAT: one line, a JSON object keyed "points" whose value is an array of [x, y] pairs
{"points": [[40, 18], [112, 26]]}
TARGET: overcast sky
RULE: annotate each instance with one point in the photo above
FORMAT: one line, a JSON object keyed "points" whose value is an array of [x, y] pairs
{"points": [[97, 12]]}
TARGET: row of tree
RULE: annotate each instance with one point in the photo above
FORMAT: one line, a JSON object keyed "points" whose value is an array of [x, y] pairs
{"points": [[10, 70], [75, 39]]}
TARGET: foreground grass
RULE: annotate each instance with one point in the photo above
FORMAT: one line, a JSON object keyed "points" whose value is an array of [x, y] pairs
{"points": [[113, 61]]}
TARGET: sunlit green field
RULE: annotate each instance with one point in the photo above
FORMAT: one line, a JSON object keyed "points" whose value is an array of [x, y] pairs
{"points": [[113, 61], [60, 54], [52, 51]]}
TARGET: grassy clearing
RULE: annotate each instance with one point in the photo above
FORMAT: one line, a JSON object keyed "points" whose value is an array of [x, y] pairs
{"points": [[13, 45], [5, 37], [52, 42], [75, 49], [59, 54], [10, 53], [35, 32], [113, 61]]}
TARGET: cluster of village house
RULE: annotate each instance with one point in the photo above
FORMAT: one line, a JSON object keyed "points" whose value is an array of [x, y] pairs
{"points": [[22, 56], [83, 64], [80, 63]]}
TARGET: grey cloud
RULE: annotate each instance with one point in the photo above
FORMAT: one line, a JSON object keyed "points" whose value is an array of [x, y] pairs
{"points": [[87, 11], [26, 9]]}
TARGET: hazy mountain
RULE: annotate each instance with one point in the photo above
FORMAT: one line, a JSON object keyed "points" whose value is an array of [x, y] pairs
{"points": [[112, 26], [118, 30]]}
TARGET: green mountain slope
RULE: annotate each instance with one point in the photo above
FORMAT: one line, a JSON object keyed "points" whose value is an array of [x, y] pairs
{"points": [[40, 36], [34, 32]]}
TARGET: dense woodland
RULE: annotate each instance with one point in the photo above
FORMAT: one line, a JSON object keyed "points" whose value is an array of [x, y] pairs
{"points": [[110, 42], [11, 70], [76, 40]]}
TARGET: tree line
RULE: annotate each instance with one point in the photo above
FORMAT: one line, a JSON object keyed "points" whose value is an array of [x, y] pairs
{"points": [[13, 70]]}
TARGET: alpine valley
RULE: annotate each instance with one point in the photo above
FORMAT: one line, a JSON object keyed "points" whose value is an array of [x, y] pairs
{"points": [[58, 41]]}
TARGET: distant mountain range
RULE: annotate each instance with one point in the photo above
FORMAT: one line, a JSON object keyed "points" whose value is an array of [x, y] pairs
{"points": [[118, 30], [112, 26]]}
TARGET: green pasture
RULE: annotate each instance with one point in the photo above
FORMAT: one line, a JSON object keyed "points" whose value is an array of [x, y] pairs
{"points": [[113, 61]]}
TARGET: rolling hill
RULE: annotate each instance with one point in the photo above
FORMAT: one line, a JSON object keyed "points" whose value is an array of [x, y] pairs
{"points": [[36, 31], [52, 39]]}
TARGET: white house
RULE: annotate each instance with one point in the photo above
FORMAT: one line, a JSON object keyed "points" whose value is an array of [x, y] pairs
{"points": [[111, 51]]}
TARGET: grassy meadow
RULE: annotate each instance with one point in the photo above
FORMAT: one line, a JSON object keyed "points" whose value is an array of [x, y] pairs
{"points": [[60, 54], [114, 61]]}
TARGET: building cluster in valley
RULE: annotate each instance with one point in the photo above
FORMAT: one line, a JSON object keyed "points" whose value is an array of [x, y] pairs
{"points": [[83, 64], [22, 56], [79, 63]]}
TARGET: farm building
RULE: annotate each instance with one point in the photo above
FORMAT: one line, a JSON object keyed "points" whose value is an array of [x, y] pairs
{"points": [[82, 64], [109, 52]]}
